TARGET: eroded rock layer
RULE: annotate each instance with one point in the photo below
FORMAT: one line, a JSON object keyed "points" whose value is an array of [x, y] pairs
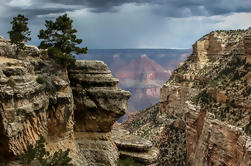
{"points": [[98, 103], [98, 100], [204, 114], [135, 147], [72, 109], [30, 108]]}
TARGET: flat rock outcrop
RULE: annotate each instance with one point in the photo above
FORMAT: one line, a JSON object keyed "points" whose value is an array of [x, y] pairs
{"points": [[135, 147], [98, 100]]}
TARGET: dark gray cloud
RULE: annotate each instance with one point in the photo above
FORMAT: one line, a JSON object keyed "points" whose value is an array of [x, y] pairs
{"points": [[30, 13], [169, 8], [166, 8], [132, 23]]}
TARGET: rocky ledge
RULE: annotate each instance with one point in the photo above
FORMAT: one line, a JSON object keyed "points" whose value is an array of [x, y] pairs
{"points": [[98, 100], [72, 109], [204, 114], [135, 147]]}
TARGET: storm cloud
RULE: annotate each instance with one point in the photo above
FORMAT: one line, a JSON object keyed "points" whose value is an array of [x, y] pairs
{"points": [[132, 23], [166, 8]]}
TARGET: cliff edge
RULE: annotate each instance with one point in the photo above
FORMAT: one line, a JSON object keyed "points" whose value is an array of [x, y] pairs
{"points": [[72, 109], [204, 113]]}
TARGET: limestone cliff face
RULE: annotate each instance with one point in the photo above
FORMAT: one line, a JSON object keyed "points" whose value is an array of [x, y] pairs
{"points": [[213, 142], [72, 109], [98, 103], [29, 109], [98, 100], [204, 113]]}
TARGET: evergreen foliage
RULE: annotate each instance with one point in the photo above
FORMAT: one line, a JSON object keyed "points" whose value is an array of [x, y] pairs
{"points": [[20, 32], [203, 97], [126, 162], [248, 129], [38, 153], [40, 80], [29, 156], [60, 39]]}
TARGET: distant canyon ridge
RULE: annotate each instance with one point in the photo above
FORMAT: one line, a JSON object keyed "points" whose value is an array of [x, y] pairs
{"points": [[140, 71]]}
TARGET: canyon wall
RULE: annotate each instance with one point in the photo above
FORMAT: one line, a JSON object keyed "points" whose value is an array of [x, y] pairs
{"points": [[204, 113], [72, 109], [98, 104]]}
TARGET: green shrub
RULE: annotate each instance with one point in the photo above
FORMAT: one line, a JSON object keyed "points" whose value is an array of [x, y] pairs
{"points": [[62, 58], [195, 99], [40, 80], [247, 91], [248, 129], [29, 155], [214, 83], [203, 97], [126, 162], [38, 153]]}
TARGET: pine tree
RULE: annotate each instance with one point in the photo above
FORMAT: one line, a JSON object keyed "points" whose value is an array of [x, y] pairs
{"points": [[60, 39], [20, 32], [38, 154]]}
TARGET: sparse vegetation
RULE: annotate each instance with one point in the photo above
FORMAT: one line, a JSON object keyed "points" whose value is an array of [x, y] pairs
{"points": [[203, 97], [248, 129], [195, 99], [173, 149], [246, 92], [183, 68], [126, 162], [40, 80], [38, 154]]}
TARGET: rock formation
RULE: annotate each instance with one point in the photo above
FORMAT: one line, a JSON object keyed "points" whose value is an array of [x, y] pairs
{"points": [[204, 113], [135, 147], [72, 109], [28, 108], [98, 103]]}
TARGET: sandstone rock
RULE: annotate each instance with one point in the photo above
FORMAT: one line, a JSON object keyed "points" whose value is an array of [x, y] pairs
{"points": [[6, 49], [135, 147], [212, 142], [205, 106], [32, 51], [220, 97], [247, 46], [125, 141], [27, 110], [49, 107], [99, 103], [98, 100], [97, 148], [145, 158]]}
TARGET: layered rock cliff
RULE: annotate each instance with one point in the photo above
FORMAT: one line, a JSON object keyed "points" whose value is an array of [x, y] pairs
{"points": [[72, 109], [98, 103], [204, 113]]}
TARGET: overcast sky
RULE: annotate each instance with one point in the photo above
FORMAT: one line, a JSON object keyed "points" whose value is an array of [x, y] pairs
{"points": [[132, 23]]}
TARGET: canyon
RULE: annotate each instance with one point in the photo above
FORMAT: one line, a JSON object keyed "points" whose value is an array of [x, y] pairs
{"points": [[204, 114], [140, 71], [72, 109], [203, 117]]}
